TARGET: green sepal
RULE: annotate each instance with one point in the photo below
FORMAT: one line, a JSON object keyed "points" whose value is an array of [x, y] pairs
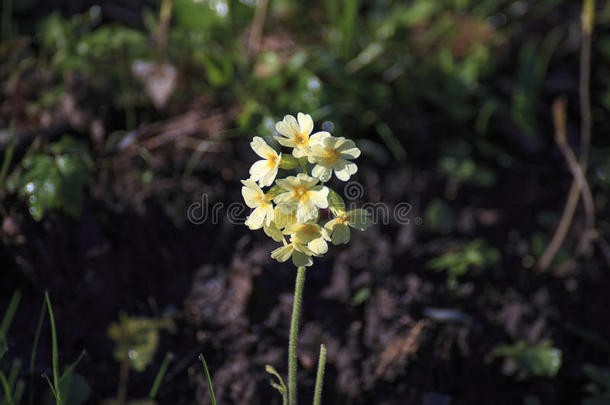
{"points": [[273, 192], [288, 162], [335, 203]]}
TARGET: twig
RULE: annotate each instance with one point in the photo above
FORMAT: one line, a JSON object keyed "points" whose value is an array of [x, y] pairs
{"points": [[559, 119], [587, 18]]}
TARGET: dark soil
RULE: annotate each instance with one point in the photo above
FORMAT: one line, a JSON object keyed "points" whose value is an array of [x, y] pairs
{"points": [[231, 302]]}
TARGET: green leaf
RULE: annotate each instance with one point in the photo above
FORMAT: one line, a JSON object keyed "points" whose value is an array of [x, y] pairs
{"points": [[54, 179]]}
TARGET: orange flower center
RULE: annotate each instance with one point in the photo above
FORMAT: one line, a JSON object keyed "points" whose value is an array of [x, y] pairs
{"points": [[301, 193], [343, 220], [271, 160], [309, 230], [261, 200], [331, 156], [301, 139]]}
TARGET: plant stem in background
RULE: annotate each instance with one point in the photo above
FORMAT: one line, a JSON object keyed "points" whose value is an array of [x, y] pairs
{"points": [[587, 22], [123, 379], [256, 32], [559, 120], [7, 15], [317, 396], [294, 331], [165, 15]]}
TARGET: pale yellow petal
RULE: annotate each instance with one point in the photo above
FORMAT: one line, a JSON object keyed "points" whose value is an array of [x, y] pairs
{"points": [[269, 177], [345, 144], [317, 139], [299, 152], [260, 147], [259, 169], [256, 219], [283, 253], [251, 197], [306, 210], [273, 231], [319, 196], [346, 171], [352, 153], [322, 172], [318, 246], [305, 123], [287, 142]]}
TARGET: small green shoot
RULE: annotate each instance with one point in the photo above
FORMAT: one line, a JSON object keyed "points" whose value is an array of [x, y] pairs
{"points": [[279, 385]]}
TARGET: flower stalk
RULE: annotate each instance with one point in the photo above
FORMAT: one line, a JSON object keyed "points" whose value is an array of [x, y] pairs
{"points": [[317, 397], [294, 332]]}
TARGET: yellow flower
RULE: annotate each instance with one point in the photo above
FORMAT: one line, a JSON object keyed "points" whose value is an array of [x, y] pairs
{"points": [[311, 235], [332, 154], [294, 133], [338, 228], [265, 170], [302, 196], [255, 198], [301, 255]]}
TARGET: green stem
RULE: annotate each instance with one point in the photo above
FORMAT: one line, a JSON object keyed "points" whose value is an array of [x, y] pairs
{"points": [[294, 331], [317, 397]]}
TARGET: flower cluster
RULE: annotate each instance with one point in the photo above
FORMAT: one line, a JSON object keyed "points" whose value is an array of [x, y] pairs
{"points": [[290, 211]]}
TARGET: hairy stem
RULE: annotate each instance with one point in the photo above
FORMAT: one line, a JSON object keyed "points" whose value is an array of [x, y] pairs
{"points": [[294, 331], [317, 397]]}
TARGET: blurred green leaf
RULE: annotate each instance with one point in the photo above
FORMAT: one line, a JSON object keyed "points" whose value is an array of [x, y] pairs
{"points": [[475, 255], [54, 178], [136, 339], [540, 360]]}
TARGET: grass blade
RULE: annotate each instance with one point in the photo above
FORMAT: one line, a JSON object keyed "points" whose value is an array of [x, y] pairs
{"points": [[8, 153], [208, 378], [159, 378], [8, 395], [71, 366], [12, 378], [34, 351], [9, 315], [55, 355]]}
